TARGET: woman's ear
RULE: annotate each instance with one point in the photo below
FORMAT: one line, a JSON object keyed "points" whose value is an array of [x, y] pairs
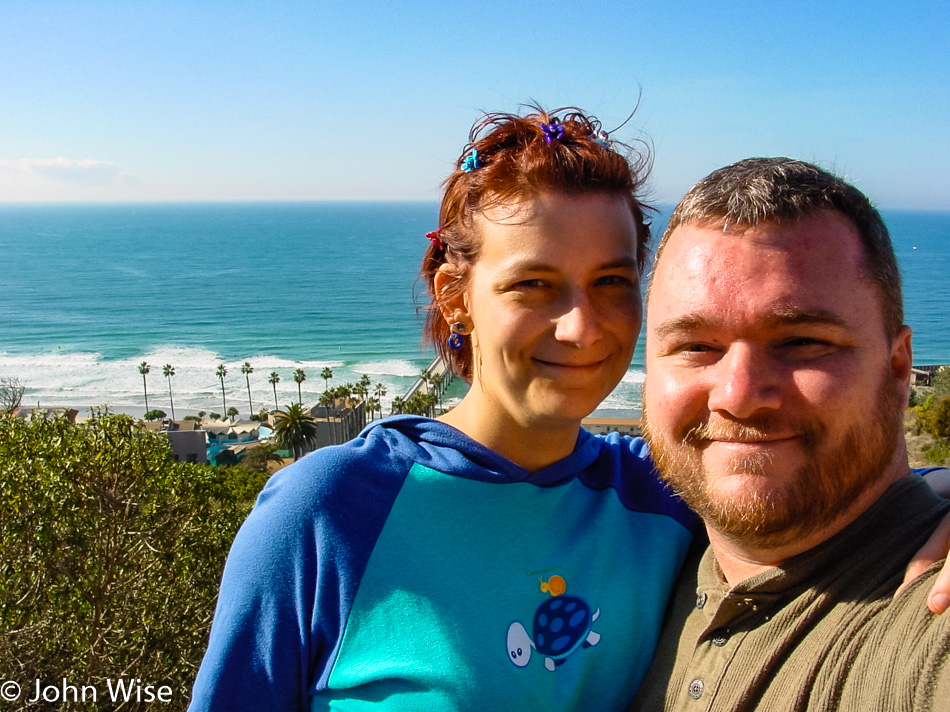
{"points": [[452, 298]]}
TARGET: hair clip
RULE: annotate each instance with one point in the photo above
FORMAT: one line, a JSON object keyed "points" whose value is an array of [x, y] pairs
{"points": [[601, 138], [435, 237], [471, 162], [553, 131]]}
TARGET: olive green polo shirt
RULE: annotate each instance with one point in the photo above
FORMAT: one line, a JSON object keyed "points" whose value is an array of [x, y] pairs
{"points": [[821, 632]]}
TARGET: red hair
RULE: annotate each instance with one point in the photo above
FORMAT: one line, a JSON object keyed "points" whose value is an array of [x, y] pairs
{"points": [[518, 160]]}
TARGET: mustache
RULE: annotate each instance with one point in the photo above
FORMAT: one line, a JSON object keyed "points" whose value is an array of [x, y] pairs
{"points": [[751, 430]]}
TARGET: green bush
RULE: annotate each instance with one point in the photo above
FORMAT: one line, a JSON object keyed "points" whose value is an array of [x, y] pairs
{"points": [[937, 453], [935, 419], [914, 398], [941, 382], [112, 555]]}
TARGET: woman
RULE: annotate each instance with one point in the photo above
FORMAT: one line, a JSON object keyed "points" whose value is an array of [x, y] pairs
{"points": [[499, 557]]}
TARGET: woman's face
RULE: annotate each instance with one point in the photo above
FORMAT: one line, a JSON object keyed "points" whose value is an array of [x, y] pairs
{"points": [[554, 302]]}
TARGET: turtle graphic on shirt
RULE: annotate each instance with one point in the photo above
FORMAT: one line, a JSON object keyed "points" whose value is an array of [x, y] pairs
{"points": [[562, 625]]}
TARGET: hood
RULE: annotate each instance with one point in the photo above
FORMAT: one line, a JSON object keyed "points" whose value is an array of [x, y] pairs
{"points": [[435, 444]]}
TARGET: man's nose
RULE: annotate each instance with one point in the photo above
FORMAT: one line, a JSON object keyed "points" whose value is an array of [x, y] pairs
{"points": [[744, 383]]}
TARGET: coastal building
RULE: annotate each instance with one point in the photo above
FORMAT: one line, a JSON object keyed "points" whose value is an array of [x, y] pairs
{"points": [[237, 431], [189, 442], [602, 426], [189, 446], [29, 413], [344, 421], [923, 375]]}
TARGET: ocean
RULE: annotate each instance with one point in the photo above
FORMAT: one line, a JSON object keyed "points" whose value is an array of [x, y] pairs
{"points": [[90, 291]]}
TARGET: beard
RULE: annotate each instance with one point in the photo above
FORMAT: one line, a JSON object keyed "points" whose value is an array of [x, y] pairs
{"points": [[765, 514]]}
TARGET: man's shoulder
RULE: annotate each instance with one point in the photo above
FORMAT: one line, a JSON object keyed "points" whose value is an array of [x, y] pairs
{"points": [[907, 621], [903, 651]]}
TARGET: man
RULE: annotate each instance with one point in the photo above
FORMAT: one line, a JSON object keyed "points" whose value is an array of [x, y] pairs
{"points": [[778, 369]]}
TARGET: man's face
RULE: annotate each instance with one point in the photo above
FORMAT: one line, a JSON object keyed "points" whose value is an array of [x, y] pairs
{"points": [[773, 394]]}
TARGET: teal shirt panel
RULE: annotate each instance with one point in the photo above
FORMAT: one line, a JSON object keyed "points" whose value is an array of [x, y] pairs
{"points": [[460, 564]]}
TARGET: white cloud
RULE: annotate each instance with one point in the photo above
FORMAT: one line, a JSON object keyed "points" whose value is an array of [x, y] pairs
{"points": [[68, 170]]}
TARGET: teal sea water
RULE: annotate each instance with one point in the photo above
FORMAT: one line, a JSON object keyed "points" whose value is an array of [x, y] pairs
{"points": [[90, 291]]}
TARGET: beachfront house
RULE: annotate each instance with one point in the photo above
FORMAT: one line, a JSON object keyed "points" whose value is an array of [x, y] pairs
{"points": [[344, 421]]}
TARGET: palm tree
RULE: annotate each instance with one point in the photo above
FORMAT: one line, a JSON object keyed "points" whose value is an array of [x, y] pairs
{"points": [[372, 405], [222, 372], [168, 371], [429, 400], [398, 404], [379, 390], [144, 369], [295, 429], [346, 393], [247, 370], [420, 404], [259, 457], [274, 379], [424, 375], [411, 405], [362, 387], [326, 400], [232, 411], [436, 379], [299, 377], [326, 374]]}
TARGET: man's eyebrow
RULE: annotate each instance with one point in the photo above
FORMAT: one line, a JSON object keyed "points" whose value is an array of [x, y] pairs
{"points": [[792, 316], [681, 324], [780, 316]]}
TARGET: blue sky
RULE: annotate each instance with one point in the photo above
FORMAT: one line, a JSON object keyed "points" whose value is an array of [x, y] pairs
{"points": [[282, 100]]}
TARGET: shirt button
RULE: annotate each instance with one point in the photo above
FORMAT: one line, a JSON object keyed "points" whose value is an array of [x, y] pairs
{"points": [[700, 600], [720, 638], [696, 688]]}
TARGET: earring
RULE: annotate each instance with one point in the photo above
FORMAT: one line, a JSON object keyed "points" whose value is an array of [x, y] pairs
{"points": [[457, 337]]}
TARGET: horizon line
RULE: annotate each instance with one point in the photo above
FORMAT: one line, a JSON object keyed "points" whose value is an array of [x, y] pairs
{"points": [[288, 201]]}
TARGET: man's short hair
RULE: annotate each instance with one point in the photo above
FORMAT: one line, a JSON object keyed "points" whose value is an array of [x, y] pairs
{"points": [[758, 191]]}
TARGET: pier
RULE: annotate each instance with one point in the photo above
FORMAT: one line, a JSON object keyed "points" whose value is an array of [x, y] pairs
{"points": [[434, 379]]}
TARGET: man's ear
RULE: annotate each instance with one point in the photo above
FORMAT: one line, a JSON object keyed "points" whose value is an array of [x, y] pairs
{"points": [[902, 356], [453, 302]]}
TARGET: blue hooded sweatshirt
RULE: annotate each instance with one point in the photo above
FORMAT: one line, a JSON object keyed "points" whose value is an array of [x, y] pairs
{"points": [[415, 569]]}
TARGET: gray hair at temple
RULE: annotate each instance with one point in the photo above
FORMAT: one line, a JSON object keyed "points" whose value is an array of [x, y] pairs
{"points": [[758, 191]]}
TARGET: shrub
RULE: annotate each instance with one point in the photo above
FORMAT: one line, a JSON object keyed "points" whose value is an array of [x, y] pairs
{"points": [[935, 420], [913, 398], [154, 414], [941, 382], [260, 457], [112, 555], [937, 453]]}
